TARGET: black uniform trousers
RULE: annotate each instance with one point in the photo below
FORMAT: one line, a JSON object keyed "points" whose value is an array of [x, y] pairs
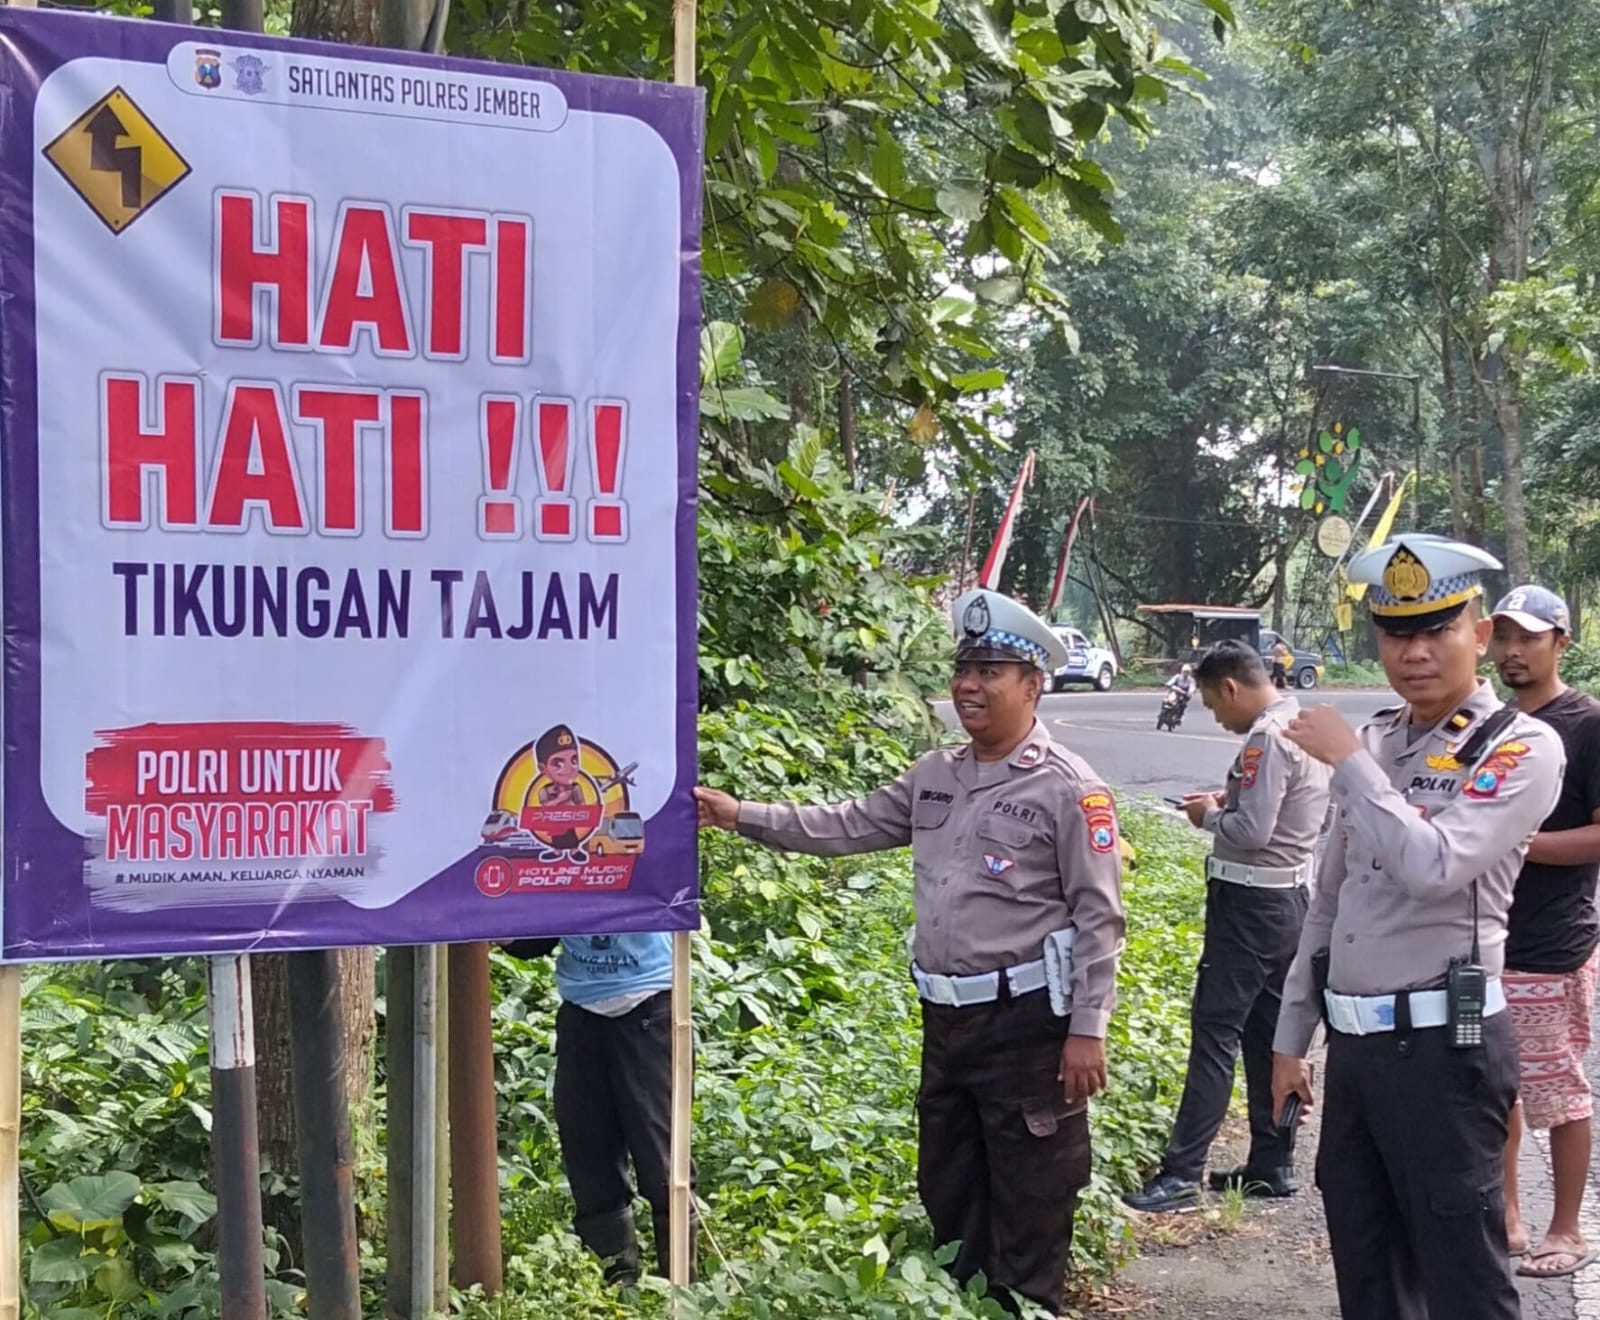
{"points": [[1410, 1172], [1001, 1156], [1251, 937], [613, 1099]]}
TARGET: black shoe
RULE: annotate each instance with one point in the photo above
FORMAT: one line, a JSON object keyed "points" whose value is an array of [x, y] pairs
{"points": [[1165, 1194], [622, 1272], [1255, 1182]]}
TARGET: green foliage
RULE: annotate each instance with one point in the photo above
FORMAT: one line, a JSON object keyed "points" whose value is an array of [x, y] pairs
{"points": [[115, 1130], [1580, 667], [868, 159]]}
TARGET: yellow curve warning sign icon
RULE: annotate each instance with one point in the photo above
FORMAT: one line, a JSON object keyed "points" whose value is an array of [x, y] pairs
{"points": [[117, 160]]}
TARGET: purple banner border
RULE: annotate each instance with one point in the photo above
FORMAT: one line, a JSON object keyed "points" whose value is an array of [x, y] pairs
{"points": [[46, 910]]}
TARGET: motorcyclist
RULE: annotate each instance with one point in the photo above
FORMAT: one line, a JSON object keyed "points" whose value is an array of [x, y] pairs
{"points": [[1183, 683]]}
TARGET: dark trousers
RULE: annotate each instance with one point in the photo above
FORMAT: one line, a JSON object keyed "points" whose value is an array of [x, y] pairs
{"points": [[1251, 935], [613, 1096], [1409, 1167], [1001, 1156]]}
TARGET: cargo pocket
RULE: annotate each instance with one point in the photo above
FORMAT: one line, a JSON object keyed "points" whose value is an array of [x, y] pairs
{"points": [[1467, 1192], [1055, 1152]]}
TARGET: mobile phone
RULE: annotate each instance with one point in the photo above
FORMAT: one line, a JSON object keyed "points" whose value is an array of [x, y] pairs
{"points": [[1173, 801], [1289, 1123]]}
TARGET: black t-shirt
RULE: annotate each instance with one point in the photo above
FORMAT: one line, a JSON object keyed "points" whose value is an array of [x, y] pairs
{"points": [[1554, 924]]}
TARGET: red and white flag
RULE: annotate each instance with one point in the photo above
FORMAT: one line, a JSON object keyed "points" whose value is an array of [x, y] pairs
{"points": [[989, 576], [1066, 554]]}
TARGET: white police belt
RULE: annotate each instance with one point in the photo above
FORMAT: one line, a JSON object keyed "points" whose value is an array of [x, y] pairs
{"points": [[1367, 1015], [1258, 877], [964, 991]]}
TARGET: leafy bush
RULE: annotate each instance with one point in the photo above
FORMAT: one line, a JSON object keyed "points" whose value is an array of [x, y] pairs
{"points": [[1581, 667], [1356, 673]]}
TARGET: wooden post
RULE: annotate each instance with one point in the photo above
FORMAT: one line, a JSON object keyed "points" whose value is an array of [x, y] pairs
{"points": [[682, 1108], [10, 1140], [474, 1153], [683, 73]]}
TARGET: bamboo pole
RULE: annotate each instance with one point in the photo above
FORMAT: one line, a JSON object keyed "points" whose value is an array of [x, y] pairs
{"points": [[10, 1140], [682, 1110], [683, 73]]}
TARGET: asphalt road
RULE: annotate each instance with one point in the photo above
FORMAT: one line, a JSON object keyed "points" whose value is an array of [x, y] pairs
{"points": [[1116, 733]]}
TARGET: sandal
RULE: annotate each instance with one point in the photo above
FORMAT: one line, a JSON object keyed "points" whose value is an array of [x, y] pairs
{"points": [[1579, 1260]]}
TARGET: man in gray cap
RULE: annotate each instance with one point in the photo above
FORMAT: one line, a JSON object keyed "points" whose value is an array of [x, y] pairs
{"points": [[1551, 950], [1403, 946], [1019, 927]]}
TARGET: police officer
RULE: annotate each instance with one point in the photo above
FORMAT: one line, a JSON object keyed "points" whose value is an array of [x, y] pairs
{"points": [[1266, 825], [1436, 801], [1019, 927]]}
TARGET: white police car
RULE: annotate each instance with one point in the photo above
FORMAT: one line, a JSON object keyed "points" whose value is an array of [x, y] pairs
{"points": [[1086, 662]]}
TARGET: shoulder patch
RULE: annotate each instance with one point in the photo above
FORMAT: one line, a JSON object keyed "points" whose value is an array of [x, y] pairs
{"points": [[1100, 814], [1494, 772]]}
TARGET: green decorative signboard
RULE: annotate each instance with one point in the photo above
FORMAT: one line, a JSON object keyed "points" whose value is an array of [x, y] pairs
{"points": [[1329, 469]]}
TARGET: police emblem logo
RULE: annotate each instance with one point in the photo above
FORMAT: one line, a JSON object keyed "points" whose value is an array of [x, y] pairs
{"points": [[1031, 756], [250, 75], [1406, 578], [975, 618], [208, 67], [998, 866], [1102, 838], [1444, 762]]}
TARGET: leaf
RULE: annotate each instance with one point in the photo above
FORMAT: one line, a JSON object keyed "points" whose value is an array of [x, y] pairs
{"points": [[962, 199], [955, 305], [743, 403], [62, 1260], [116, 1279], [772, 305], [971, 382], [721, 347], [1002, 289], [1308, 496], [188, 1199], [798, 482], [90, 1202]]}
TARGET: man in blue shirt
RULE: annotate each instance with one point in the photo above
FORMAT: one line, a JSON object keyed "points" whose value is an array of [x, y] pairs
{"points": [[613, 1089]]}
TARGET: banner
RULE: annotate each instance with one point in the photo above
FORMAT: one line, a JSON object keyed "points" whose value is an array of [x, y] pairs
{"points": [[348, 427], [989, 575], [1060, 584]]}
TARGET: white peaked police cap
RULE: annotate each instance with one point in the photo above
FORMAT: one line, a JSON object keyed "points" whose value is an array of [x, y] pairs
{"points": [[1420, 581], [987, 621]]}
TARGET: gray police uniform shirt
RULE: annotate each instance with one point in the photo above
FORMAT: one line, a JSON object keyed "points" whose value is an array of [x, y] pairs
{"points": [[1003, 856], [1277, 797], [1394, 892]]}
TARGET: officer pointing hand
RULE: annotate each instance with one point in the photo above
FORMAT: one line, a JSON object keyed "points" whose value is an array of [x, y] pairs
{"points": [[1019, 927]]}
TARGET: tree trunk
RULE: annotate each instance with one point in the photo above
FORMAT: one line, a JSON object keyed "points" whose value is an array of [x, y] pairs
{"points": [[274, 1076], [847, 421], [354, 22], [1519, 558]]}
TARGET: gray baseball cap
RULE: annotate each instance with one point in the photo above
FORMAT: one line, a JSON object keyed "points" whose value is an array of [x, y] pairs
{"points": [[1536, 609]]}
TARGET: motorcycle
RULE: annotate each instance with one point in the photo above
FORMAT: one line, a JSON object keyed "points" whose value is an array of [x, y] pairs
{"points": [[1173, 704]]}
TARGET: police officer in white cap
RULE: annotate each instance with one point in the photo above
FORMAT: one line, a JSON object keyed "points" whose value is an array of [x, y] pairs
{"points": [[1402, 950], [1019, 928]]}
